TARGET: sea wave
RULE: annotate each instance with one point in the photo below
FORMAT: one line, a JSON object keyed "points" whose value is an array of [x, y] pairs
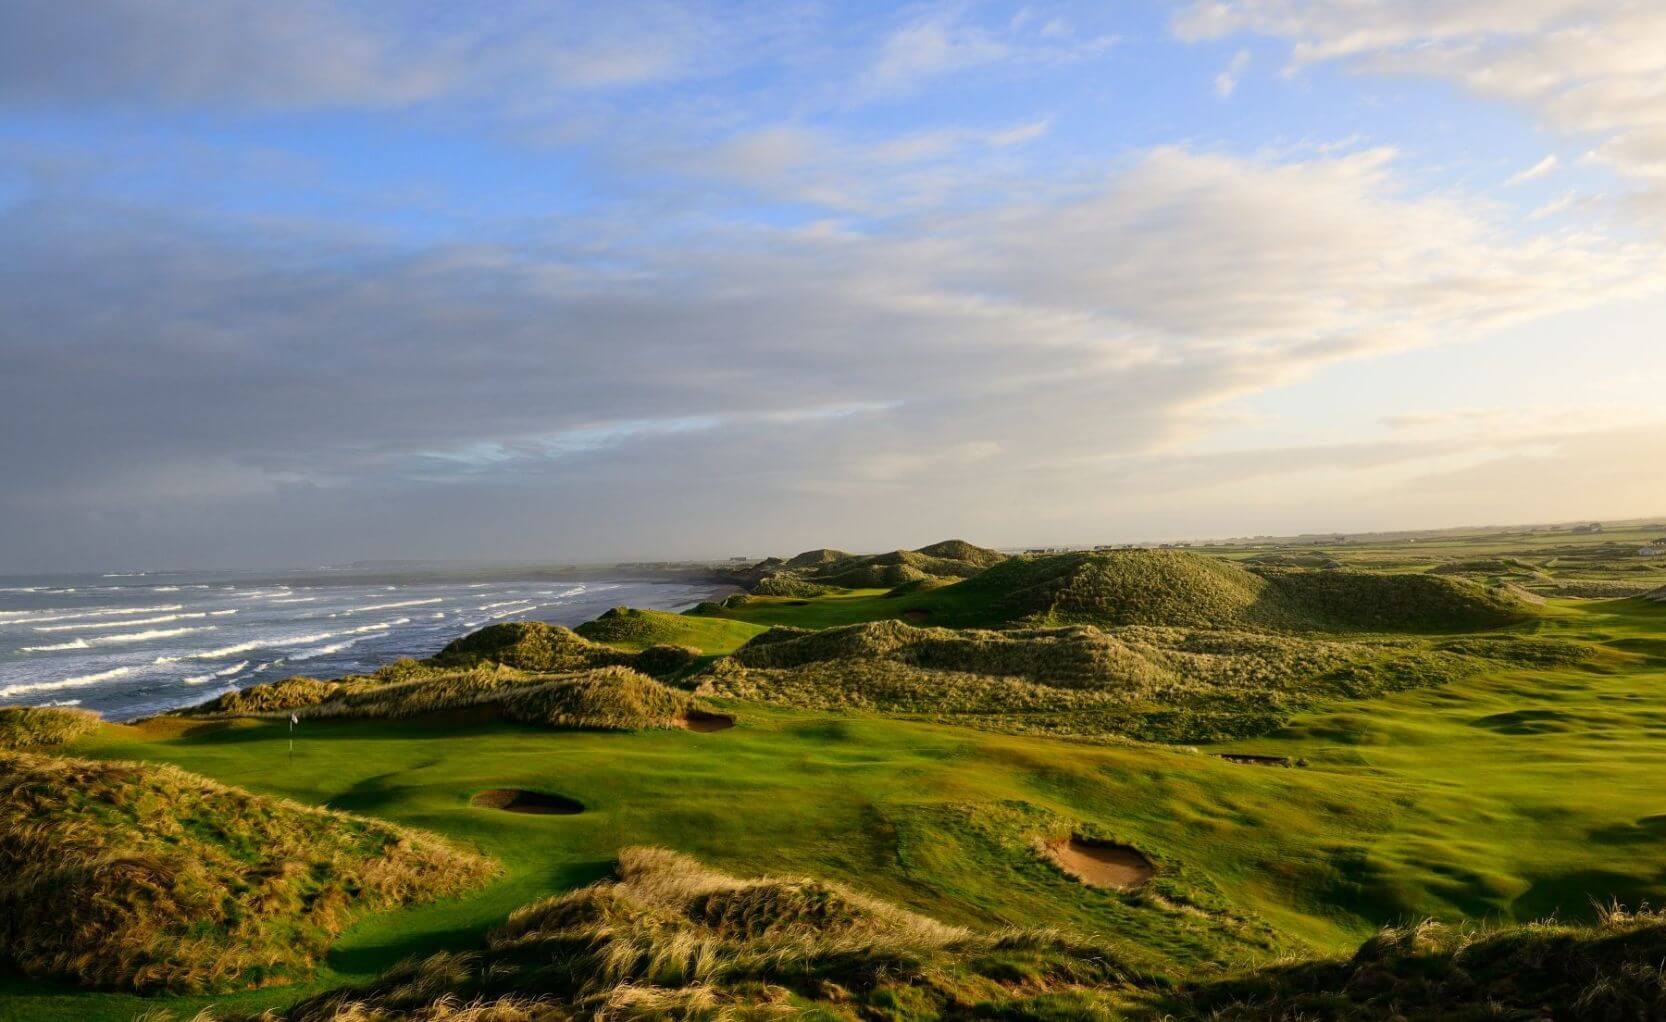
{"points": [[34, 617], [89, 625], [203, 679], [56, 647], [149, 635], [79, 681], [327, 650], [392, 606], [223, 651]]}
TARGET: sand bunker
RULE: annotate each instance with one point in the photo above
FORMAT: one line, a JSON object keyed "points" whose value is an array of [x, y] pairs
{"points": [[1239, 757], [1101, 863], [514, 800], [703, 721]]}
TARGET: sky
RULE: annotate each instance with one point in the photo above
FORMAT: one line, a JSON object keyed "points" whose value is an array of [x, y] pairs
{"points": [[302, 283]]}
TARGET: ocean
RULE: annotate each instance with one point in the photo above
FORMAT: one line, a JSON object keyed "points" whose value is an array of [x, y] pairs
{"points": [[132, 644]]}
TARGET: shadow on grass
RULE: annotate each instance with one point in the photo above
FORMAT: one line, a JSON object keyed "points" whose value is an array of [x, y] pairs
{"points": [[373, 959], [1576, 896]]}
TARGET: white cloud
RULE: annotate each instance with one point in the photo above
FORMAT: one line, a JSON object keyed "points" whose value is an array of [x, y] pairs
{"points": [[1588, 67], [927, 48], [302, 54], [901, 172], [1030, 358], [1544, 168], [1226, 83], [941, 43]]}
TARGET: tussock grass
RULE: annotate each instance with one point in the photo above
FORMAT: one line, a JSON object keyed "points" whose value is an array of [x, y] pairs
{"points": [[634, 630], [284, 694], [608, 698], [530, 646], [669, 938], [522, 672], [1154, 683], [818, 572], [1177, 588], [790, 584], [29, 727], [1433, 971], [149, 878]]}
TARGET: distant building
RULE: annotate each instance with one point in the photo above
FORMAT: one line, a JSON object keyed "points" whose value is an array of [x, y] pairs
{"points": [[1586, 530]]}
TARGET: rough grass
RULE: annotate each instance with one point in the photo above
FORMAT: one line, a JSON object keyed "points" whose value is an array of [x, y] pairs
{"points": [[1153, 683], [635, 630], [30, 727], [669, 938], [1432, 971], [149, 878], [818, 572], [530, 646], [285, 694], [1176, 588], [607, 698], [524, 671]]}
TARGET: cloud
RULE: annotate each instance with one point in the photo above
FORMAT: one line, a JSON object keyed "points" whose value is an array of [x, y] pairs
{"points": [[900, 172], [196, 390], [1226, 83], [1544, 168], [1587, 67], [303, 54], [926, 48], [945, 42]]}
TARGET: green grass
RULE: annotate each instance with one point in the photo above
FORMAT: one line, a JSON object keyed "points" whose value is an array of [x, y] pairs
{"points": [[1167, 588], [1528, 788], [1522, 785], [1429, 972], [1158, 684], [635, 630], [35, 727], [670, 938], [143, 877]]}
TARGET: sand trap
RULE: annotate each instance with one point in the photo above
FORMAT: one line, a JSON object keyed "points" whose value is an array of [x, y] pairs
{"points": [[705, 722], [1239, 757], [514, 800], [1100, 863]]}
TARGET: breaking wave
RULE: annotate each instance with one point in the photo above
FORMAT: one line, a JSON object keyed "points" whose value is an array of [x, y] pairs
{"points": [[79, 681]]}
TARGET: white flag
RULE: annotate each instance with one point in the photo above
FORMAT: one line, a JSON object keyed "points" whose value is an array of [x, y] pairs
{"points": [[293, 720]]}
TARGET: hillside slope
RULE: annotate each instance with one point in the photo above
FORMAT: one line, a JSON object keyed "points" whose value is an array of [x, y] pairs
{"points": [[150, 878], [671, 939], [1432, 973], [1181, 589], [815, 572]]}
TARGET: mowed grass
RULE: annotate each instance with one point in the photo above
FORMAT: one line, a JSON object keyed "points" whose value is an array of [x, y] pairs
{"points": [[1509, 795], [1523, 793]]}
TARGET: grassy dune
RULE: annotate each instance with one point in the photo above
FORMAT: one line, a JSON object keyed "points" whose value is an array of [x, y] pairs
{"points": [[149, 878], [1159, 684], [1431, 972], [1165, 588], [34, 727], [635, 630], [671, 938], [606, 698]]}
